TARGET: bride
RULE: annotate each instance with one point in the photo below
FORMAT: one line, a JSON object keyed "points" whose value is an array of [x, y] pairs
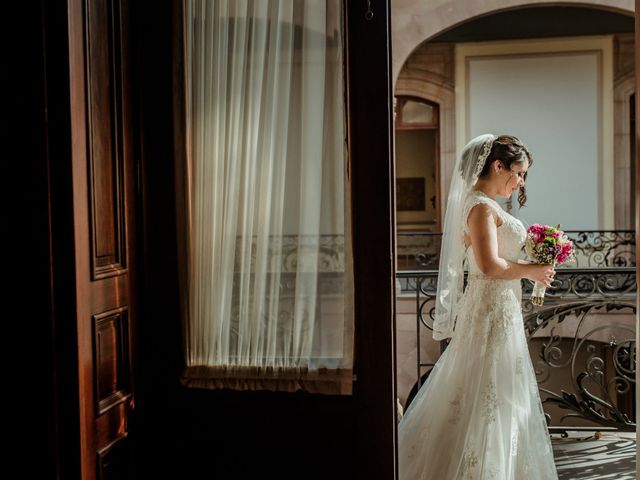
{"points": [[479, 416]]}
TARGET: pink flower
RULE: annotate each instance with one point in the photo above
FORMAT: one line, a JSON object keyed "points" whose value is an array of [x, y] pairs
{"points": [[537, 232], [566, 250], [537, 229]]}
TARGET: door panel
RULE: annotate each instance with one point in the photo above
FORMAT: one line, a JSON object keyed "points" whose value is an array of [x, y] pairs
{"points": [[105, 149], [104, 215]]}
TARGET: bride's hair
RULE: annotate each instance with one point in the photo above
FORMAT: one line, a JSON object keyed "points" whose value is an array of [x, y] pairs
{"points": [[509, 150]]}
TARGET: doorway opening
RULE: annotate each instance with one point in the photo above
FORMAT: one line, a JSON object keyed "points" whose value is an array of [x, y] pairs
{"points": [[453, 66]]}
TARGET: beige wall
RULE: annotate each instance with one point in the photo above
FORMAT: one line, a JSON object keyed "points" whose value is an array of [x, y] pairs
{"points": [[556, 94]]}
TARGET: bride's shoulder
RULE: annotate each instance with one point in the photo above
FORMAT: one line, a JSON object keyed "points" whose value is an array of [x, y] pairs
{"points": [[479, 209], [485, 206], [478, 198]]}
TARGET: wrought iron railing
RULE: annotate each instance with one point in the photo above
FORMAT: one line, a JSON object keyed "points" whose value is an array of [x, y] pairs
{"points": [[594, 249], [582, 340], [585, 333]]}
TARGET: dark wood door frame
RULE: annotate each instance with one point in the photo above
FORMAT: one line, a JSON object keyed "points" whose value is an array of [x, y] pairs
{"points": [[373, 201], [637, 196]]}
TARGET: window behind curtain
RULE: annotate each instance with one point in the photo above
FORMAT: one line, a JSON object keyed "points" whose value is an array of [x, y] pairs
{"points": [[267, 271]]}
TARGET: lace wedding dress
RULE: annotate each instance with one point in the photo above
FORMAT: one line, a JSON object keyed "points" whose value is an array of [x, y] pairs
{"points": [[478, 416]]}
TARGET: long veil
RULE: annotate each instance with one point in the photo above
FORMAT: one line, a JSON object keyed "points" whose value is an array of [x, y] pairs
{"points": [[451, 274]]}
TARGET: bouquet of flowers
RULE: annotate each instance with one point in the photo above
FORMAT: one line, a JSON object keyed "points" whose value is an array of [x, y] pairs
{"points": [[546, 244]]}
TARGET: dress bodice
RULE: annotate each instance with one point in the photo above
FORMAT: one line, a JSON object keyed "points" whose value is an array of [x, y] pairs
{"points": [[511, 233]]}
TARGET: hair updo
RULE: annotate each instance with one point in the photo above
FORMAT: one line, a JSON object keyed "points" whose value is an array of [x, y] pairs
{"points": [[509, 150]]}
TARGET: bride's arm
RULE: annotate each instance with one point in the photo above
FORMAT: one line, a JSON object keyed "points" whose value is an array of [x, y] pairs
{"points": [[484, 241]]}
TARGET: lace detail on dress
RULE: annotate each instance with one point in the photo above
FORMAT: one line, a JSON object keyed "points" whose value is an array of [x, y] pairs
{"points": [[496, 303], [515, 432], [456, 407], [477, 198], [490, 403], [511, 233], [469, 465], [526, 466], [519, 365], [492, 472]]}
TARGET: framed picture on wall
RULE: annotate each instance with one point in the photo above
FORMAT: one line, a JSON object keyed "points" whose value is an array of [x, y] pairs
{"points": [[414, 210], [410, 194]]}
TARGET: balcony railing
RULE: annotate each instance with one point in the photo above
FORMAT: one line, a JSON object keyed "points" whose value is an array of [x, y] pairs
{"points": [[582, 340], [594, 248]]}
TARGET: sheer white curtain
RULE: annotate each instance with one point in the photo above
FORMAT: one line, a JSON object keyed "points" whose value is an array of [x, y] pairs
{"points": [[267, 275]]}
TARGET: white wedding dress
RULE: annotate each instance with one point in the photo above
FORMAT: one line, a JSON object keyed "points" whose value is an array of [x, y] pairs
{"points": [[478, 416]]}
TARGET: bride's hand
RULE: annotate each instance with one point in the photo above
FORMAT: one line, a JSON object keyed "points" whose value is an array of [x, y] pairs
{"points": [[542, 273]]}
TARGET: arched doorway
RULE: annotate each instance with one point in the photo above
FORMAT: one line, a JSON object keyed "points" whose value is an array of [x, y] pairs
{"points": [[431, 67], [417, 133], [417, 165]]}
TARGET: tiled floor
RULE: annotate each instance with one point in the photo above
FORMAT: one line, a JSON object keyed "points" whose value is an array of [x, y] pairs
{"points": [[582, 457]]}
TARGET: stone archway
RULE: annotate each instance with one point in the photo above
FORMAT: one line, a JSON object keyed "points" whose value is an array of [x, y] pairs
{"points": [[414, 21]]}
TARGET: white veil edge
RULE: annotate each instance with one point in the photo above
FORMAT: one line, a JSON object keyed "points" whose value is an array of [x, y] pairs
{"points": [[451, 271]]}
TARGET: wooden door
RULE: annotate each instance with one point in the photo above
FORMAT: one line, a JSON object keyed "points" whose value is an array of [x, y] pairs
{"points": [[103, 176]]}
